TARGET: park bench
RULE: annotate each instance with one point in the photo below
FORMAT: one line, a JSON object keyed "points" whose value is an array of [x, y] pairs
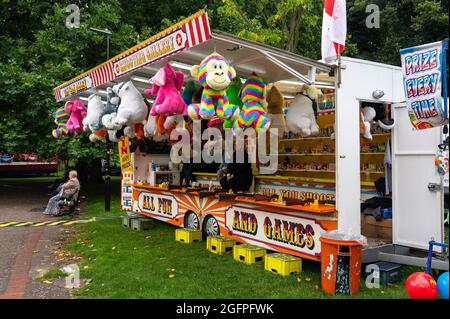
{"points": [[69, 205]]}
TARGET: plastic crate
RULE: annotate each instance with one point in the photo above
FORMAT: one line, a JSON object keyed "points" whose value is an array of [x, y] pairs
{"points": [[283, 264], [126, 221], [248, 254], [387, 272], [220, 244], [188, 236], [140, 224]]}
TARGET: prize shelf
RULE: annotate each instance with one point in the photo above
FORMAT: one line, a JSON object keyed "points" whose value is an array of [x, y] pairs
{"points": [[322, 170], [327, 154], [323, 137]]}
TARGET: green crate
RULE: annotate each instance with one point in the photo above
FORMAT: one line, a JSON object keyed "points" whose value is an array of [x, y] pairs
{"points": [[140, 224], [126, 221]]}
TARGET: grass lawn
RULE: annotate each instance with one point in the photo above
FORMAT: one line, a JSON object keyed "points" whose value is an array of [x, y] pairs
{"points": [[121, 263]]}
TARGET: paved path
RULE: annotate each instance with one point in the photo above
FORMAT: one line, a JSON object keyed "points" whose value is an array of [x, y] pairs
{"points": [[27, 252]]}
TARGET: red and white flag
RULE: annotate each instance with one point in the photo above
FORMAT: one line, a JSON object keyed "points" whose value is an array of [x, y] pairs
{"points": [[334, 29]]}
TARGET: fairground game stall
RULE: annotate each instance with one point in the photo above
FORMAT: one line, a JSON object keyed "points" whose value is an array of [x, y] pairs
{"points": [[344, 130]]}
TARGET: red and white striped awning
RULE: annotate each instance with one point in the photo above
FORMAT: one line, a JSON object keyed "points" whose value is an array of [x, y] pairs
{"points": [[188, 33], [183, 45]]}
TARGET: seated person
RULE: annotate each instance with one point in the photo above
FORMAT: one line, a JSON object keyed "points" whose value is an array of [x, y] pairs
{"points": [[236, 176], [68, 189]]}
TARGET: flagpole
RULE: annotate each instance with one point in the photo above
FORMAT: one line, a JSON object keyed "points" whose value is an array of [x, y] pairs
{"points": [[339, 66]]}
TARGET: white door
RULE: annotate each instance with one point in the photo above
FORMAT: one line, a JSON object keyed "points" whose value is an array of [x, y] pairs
{"points": [[417, 210]]}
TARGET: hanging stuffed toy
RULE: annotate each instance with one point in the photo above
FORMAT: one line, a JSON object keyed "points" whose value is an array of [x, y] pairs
{"points": [[167, 84], [301, 116], [132, 108], [275, 104], [189, 90], [61, 119], [110, 111], [93, 120], [77, 112], [95, 111], [215, 74], [233, 98], [441, 161], [253, 113]]}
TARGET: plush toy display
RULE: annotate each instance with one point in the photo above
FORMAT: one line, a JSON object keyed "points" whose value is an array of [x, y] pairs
{"points": [[215, 74], [167, 84], [110, 111], [275, 111], [190, 87], [301, 116], [374, 112], [77, 112], [253, 113], [98, 136], [95, 112], [365, 116], [93, 120], [233, 97], [61, 119], [132, 108]]}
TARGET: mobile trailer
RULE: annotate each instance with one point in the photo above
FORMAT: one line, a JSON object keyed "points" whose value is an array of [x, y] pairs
{"points": [[417, 208]]}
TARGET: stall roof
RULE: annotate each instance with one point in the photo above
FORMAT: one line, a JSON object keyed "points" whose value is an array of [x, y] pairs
{"points": [[183, 45]]}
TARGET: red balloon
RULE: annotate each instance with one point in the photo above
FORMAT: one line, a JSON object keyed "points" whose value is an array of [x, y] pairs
{"points": [[421, 285]]}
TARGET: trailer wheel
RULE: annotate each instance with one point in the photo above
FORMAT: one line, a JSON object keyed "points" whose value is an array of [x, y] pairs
{"points": [[211, 227], [191, 221]]}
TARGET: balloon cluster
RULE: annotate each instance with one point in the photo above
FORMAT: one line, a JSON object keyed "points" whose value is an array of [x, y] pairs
{"points": [[421, 285]]}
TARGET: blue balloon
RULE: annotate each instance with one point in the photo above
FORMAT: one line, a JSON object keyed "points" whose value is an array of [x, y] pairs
{"points": [[443, 285]]}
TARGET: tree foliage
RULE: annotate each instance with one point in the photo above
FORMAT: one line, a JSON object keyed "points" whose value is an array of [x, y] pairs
{"points": [[38, 52]]}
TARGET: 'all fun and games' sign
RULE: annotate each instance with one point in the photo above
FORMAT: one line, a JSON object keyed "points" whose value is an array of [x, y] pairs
{"points": [[275, 229], [423, 72], [165, 206]]}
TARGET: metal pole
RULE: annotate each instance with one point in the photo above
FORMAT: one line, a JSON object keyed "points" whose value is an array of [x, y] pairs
{"points": [[108, 159], [107, 179]]}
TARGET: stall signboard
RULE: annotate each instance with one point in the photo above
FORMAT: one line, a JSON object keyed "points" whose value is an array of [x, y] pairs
{"points": [[423, 70], [126, 200], [276, 229], [165, 206], [296, 191], [83, 84], [159, 49], [125, 154]]}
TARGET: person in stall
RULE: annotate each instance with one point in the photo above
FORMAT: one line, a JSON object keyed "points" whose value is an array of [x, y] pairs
{"points": [[234, 175], [188, 169]]}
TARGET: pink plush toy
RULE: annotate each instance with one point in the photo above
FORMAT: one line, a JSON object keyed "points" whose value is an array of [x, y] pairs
{"points": [[167, 84], [77, 112]]}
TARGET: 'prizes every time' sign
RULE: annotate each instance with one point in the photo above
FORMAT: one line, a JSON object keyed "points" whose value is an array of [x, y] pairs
{"points": [[422, 77]]}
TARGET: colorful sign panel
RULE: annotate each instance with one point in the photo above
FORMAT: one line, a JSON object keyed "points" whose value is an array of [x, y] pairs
{"points": [[422, 79], [126, 200], [80, 85], [283, 230], [165, 46], [125, 154], [165, 206]]}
